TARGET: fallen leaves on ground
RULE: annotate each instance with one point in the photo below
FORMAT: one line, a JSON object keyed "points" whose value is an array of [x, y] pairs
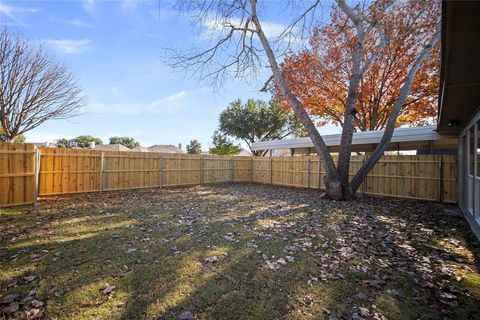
{"points": [[245, 250]]}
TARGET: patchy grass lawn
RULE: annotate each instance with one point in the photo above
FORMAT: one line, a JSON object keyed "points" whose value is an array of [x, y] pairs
{"points": [[236, 251]]}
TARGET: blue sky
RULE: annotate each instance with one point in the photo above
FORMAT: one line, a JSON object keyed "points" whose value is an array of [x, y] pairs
{"points": [[115, 50]]}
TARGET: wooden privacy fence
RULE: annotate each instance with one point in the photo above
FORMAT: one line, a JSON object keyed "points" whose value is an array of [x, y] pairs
{"points": [[427, 177], [27, 172], [75, 170]]}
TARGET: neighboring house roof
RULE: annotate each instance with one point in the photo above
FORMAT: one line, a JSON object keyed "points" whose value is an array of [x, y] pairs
{"points": [[141, 149], [244, 153], [44, 144], [280, 153], [165, 148], [414, 138], [111, 147]]}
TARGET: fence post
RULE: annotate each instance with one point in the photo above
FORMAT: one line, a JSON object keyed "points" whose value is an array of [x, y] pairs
{"points": [[232, 169], [362, 188], [271, 170], [319, 173], [37, 174], [308, 173], [101, 171], [251, 170], [160, 172], [440, 178], [202, 171]]}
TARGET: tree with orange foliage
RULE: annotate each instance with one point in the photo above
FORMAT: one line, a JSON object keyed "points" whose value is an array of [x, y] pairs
{"points": [[370, 31], [319, 76], [368, 69]]}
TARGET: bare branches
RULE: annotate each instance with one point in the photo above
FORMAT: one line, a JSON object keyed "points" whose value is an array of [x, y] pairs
{"points": [[301, 26], [33, 87], [233, 48], [352, 13], [226, 25]]}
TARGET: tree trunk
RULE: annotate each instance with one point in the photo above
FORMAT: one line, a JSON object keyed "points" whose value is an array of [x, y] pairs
{"points": [[333, 184], [399, 102], [343, 165]]}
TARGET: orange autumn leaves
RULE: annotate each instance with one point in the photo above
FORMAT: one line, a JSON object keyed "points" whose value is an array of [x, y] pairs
{"points": [[319, 76]]}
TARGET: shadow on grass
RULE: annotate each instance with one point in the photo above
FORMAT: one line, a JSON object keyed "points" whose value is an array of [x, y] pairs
{"points": [[166, 273]]}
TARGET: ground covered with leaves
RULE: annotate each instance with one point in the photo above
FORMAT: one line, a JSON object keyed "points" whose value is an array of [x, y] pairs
{"points": [[238, 252]]}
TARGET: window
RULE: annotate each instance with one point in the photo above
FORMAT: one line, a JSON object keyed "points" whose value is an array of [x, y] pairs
{"points": [[477, 178], [478, 149], [472, 151], [463, 196]]}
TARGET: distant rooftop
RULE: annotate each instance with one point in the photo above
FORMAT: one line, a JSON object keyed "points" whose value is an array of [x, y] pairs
{"points": [[111, 147], [140, 149], [165, 148]]}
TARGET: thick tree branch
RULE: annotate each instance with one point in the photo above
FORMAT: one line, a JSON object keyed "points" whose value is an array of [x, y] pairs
{"points": [[333, 180], [399, 103]]}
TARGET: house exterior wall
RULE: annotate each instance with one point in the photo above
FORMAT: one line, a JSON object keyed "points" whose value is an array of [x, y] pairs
{"points": [[469, 172]]}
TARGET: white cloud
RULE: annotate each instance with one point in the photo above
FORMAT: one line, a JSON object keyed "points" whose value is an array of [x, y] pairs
{"points": [[88, 5], [79, 23], [9, 10], [69, 46], [6, 9], [12, 12], [170, 103], [273, 29], [129, 4]]}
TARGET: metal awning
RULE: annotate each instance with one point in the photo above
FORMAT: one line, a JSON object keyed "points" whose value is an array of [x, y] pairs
{"points": [[414, 138]]}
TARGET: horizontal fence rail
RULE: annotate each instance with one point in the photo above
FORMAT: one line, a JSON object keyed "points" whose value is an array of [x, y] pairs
{"points": [[27, 172]]}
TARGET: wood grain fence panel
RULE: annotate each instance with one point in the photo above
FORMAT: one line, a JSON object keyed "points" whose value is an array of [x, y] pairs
{"points": [[449, 178], [261, 170], [408, 176], [68, 171], [17, 174], [61, 171], [242, 169], [217, 169], [314, 172]]}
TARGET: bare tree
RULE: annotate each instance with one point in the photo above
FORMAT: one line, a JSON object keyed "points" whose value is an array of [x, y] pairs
{"points": [[33, 87], [242, 46]]}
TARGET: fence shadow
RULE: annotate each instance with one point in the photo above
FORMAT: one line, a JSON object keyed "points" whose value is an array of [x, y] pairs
{"points": [[153, 245]]}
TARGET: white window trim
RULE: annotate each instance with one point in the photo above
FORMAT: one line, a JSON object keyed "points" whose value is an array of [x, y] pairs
{"points": [[476, 194], [470, 177]]}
